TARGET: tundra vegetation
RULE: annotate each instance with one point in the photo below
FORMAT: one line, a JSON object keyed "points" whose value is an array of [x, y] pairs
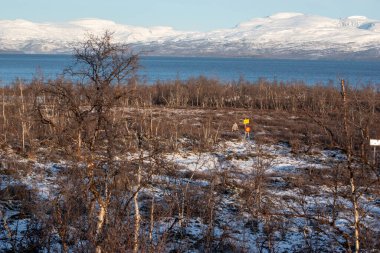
{"points": [[108, 164]]}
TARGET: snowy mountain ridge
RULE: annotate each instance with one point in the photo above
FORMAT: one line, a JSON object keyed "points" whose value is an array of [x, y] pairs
{"points": [[282, 35]]}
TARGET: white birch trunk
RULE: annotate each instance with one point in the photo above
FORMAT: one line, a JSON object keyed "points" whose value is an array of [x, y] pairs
{"points": [[137, 213], [354, 198]]}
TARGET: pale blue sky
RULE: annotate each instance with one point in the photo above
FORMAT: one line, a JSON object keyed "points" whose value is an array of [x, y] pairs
{"points": [[196, 15]]}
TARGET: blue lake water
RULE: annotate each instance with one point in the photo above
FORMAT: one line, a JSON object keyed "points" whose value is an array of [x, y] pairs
{"points": [[25, 67]]}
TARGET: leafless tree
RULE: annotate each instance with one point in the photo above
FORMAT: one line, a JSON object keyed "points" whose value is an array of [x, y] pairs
{"points": [[90, 108]]}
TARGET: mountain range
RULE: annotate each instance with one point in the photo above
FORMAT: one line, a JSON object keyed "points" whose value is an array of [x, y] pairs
{"points": [[282, 35]]}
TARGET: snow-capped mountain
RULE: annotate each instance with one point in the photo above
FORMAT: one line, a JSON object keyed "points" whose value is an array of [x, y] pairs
{"points": [[283, 35]]}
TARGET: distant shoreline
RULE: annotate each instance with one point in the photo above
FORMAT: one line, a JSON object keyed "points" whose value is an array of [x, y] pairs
{"points": [[219, 56]]}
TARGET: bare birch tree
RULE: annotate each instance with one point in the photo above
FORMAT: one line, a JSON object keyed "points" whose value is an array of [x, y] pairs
{"points": [[102, 70]]}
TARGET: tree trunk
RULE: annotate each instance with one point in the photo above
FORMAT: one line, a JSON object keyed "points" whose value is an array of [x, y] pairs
{"points": [[4, 118], [137, 213], [356, 215], [22, 115], [348, 141], [99, 226], [151, 222], [79, 152]]}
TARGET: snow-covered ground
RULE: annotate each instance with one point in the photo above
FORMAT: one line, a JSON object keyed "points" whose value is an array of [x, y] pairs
{"points": [[246, 233], [290, 223], [244, 155]]}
